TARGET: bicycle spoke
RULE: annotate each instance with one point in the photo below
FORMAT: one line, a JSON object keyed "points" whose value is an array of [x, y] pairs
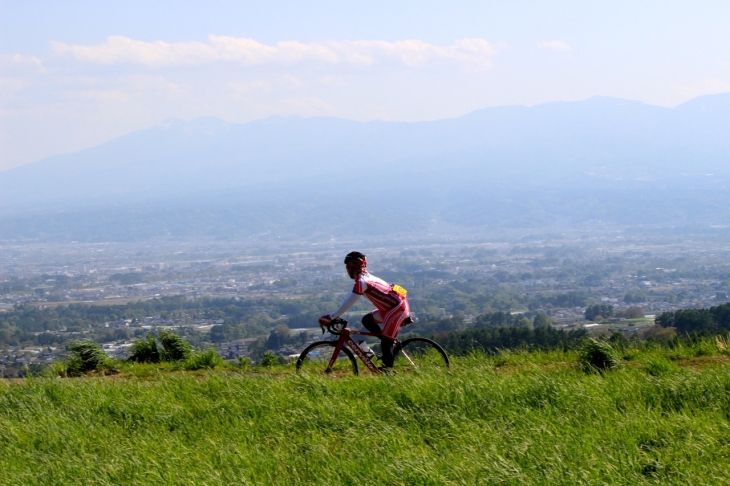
{"points": [[418, 354], [403, 352]]}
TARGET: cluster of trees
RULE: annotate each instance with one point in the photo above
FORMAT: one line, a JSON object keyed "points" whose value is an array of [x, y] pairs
{"points": [[474, 298], [577, 298], [598, 310], [241, 318], [541, 320], [50, 282], [635, 297], [244, 318], [501, 319], [486, 320], [13, 285], [688, 321], [435, 292], [282, 336], [492, 339], [631, 313], [127, 278]]}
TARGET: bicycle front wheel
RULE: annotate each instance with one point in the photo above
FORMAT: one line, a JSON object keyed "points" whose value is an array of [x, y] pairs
{"points": [[419, 353], [315, 358]]}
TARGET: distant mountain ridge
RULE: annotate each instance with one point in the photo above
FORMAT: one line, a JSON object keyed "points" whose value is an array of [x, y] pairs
{"points": [[603, 143]]}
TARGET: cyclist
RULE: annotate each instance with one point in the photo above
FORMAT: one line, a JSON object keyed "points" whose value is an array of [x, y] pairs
{"points": [[391, 304]]}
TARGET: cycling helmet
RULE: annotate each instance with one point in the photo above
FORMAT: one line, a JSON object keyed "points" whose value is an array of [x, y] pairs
{"points": [[356, 261]]}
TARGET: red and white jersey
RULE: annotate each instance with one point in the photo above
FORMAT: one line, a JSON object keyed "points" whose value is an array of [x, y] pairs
{"points": [[377, 291]]}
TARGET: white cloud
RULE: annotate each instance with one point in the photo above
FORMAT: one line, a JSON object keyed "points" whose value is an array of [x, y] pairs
{"points": [[333, 81], [99, 95], [248, 52], [240, 87], [289, 82], [143, 83], [309, 106], [8, 88], [553, 46], [121, 88], [19, 61], [286, 82], [704, 87]]}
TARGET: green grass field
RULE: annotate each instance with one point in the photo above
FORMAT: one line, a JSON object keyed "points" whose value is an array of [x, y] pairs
{"points": [[514, 418]]}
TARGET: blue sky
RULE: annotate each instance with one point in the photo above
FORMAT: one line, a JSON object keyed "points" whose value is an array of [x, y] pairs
{"points": [[74, 74]]}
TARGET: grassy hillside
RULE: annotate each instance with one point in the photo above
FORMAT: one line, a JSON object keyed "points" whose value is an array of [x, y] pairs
{"points": [[514, 418]]}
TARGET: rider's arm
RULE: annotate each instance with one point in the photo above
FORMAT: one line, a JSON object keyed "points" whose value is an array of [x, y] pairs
{"points": [[349, 301]]}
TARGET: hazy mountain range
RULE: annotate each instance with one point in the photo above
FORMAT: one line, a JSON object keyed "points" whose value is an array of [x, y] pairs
{"points": [[568, 162]]}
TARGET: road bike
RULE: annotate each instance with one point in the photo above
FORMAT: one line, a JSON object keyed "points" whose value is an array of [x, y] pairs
{"points": [[338, 356]]}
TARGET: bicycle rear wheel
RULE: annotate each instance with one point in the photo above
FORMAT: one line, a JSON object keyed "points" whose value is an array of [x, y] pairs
{"points": [[315, 358], [419, 353]]}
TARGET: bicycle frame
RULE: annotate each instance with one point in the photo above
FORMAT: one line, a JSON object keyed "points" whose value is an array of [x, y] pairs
{"points": [[346, 338]]}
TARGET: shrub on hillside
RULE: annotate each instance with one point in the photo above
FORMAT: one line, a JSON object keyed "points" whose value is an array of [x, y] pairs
{"points": [[269, 359], [597, 356], [618, 341], [723, 344], [83, 356], [174, 348], [702, 345], [145, 350], [660, 366], [208, 359], [659, 334]]}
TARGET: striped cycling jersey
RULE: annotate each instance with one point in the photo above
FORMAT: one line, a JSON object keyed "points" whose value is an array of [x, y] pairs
{"points": [[377, 291]]}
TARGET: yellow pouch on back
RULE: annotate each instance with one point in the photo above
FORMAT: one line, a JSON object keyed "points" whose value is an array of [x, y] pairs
{"points": [[399, 290]]}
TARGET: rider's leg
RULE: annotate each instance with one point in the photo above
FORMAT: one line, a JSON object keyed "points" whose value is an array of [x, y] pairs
{"points": [[370, 321], [387, 347], [392, 321]]}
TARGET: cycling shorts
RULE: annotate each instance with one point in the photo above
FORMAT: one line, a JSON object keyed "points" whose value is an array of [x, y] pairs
{"points": [[393, 318]]}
